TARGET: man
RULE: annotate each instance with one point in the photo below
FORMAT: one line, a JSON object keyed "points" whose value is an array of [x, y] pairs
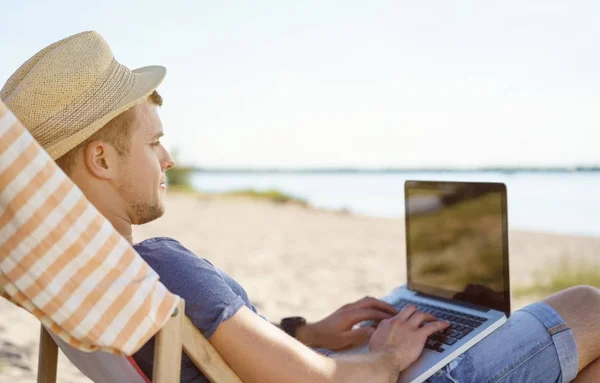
{"points": [[100, 122]]}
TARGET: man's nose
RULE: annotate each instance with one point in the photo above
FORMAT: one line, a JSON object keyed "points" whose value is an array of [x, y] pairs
{"points": [[168, 161]]}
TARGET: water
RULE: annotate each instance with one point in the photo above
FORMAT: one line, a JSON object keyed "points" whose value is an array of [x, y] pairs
{"points": [[549, 202]]}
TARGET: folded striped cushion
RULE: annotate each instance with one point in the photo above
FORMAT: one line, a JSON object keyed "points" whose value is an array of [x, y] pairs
{"points": [[62, 261]]}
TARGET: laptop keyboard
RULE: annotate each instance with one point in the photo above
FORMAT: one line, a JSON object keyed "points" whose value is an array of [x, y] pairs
{"points": [[461, 324]]}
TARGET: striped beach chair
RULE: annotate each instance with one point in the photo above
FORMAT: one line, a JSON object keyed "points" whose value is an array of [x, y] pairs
{"points": [[95, 297]]}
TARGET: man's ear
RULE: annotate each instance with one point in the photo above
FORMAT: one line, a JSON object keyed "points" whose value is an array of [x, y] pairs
{"points": [[100, 159]]}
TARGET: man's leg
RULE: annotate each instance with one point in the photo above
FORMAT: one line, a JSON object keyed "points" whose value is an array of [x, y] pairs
{"points": [[590, 374], [534, 344], [580, 308]]}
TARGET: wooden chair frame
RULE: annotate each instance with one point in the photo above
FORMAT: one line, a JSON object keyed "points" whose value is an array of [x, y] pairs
{"points": [[178, 334]]}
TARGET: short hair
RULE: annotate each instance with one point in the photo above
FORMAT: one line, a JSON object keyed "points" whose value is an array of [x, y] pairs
{"points": [[115, 132]]}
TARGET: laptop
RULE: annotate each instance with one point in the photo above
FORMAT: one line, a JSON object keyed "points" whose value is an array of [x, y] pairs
{"points": [[457, 266]]}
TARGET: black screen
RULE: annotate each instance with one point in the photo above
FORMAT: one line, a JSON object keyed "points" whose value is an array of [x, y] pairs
{"points": [[457, 241]]}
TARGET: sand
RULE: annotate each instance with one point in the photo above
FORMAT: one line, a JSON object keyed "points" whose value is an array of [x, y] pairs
{"points": [[291, 260]]}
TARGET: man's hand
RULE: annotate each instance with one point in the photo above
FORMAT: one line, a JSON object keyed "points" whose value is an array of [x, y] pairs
{"points": [[335, 332], [404, 335]]}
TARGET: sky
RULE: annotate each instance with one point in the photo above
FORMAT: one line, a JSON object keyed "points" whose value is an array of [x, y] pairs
{"points": [[350, 83]]}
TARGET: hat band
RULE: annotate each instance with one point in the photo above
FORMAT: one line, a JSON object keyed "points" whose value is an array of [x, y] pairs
{"points": [[96, 102]]}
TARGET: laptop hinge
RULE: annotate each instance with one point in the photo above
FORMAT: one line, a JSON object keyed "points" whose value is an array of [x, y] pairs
{"points": [[455, 302]]}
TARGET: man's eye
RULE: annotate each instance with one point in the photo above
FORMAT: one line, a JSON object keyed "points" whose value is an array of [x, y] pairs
{"points": [[156, 143]]}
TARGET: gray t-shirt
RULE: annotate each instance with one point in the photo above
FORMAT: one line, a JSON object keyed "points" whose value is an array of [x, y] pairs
{"points": [[211, 296]]}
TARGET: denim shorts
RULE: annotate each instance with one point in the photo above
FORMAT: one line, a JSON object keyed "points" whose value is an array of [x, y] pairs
{"points": [[534, 345]]}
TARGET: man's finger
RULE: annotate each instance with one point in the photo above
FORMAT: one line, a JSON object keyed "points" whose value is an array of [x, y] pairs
{"points": [[359, 336], [358, 315], [406, 312], [373, 303], [433, 327], [417, 319]]}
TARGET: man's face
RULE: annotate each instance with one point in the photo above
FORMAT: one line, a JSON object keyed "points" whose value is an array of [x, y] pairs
{"points": [[141, 177]]}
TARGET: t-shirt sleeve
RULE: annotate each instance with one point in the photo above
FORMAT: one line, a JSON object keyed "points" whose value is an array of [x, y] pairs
{"points": [[209, 300]]}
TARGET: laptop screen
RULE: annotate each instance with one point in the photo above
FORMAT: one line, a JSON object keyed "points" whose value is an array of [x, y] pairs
{"points": [[457, 242]]}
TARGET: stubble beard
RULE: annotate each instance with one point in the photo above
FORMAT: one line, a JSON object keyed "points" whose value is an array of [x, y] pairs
{"points": [[142, 211], [145, 212]]}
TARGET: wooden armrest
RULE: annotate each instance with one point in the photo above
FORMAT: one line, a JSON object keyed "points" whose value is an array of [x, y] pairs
{"points": [[180, 331], [205, 356], [167, 349]]}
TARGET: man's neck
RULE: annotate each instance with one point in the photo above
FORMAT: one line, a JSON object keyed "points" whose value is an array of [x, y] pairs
{"points": [[123, 226], [103, 197], [118, 219]]}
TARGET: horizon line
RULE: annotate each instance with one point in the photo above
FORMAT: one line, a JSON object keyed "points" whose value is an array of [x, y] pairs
{"points": [[502, 169]]}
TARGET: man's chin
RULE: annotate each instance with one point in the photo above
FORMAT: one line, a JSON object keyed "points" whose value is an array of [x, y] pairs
{"points": [[148, 214]]}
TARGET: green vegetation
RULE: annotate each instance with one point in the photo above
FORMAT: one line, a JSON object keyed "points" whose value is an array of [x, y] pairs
{"points": [[179, 178], [272, 195], [563, 275]]}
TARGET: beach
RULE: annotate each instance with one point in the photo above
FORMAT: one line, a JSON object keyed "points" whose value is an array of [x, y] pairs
{"points": [[292, 260]]}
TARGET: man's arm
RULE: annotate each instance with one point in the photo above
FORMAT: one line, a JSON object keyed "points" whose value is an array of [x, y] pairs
{"points": [[259, 352]]}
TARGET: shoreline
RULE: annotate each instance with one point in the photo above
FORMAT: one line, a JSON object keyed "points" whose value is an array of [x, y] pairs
{"points": [[242, 195]]}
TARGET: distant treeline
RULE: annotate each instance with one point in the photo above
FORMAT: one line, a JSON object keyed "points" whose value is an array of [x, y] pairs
{"points": [[397, 170]]}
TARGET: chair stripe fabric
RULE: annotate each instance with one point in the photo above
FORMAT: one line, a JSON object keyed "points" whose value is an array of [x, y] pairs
{"points": [[62, 261]]}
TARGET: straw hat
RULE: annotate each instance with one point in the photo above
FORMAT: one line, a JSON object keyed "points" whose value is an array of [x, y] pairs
{"points": [[72, 88]]}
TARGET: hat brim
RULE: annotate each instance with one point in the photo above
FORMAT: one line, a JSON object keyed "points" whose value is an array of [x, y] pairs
{"points": [[147, 79]]}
